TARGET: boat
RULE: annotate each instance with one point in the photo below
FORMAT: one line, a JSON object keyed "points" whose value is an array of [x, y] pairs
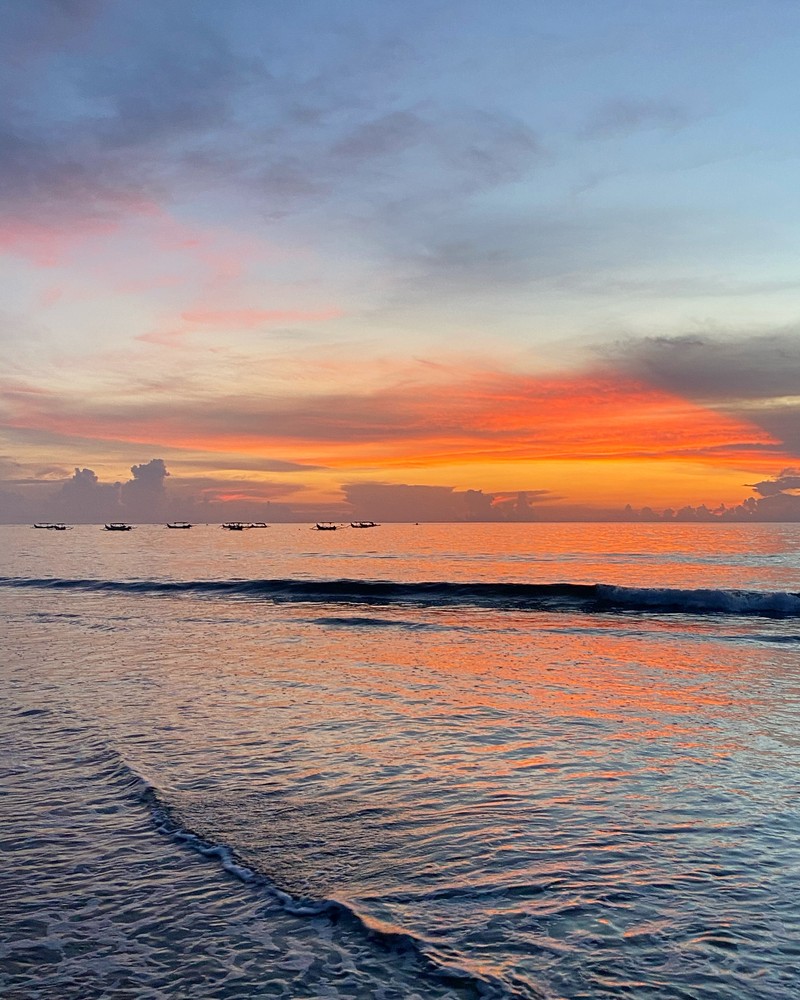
{"points": [[49, 526], [234, 526], [118, 526], [363, 524], [325, 526], [258, 524], [179, 524]]}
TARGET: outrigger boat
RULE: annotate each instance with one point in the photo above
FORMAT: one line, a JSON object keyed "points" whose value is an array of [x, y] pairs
{"points": [[51, 527], [118, 526], [234, 526], [325, 526], [179, 524], [258, 524], [363, 524]]}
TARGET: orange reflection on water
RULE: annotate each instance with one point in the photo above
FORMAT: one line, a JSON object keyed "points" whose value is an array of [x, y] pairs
{"points": [[639, 687]]}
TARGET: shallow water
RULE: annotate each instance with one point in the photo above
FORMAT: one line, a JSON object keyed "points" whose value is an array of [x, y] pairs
{"points": [[221, 782]]}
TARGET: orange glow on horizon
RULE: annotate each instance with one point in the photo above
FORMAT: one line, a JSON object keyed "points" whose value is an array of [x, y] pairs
{"points": [[500, 431]]}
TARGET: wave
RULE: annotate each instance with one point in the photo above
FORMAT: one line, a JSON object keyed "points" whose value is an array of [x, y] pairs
{"points": [[572, 597], [433, 962], [437, 969]]}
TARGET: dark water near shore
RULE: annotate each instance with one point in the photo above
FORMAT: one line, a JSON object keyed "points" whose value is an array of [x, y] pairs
{"points": [[409, 761]]}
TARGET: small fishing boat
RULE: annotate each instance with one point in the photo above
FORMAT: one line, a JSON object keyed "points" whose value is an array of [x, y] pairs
{"points": [[363, 524], [118, 526], [235, 526], [325, 526], [49, 526], [179, 524]]}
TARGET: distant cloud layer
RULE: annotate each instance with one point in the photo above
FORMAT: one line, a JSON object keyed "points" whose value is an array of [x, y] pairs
{"points": [[153, 495]]}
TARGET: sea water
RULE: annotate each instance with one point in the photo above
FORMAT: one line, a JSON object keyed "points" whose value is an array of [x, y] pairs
{"points": [[425, 761]]}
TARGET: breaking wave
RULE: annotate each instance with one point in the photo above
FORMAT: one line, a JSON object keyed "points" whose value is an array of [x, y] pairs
{"points": [[571, 597]]}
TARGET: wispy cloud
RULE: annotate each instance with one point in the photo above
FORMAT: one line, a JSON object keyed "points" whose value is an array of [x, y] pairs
{"points": [[623, 116], [478, 417], [250, 318]]}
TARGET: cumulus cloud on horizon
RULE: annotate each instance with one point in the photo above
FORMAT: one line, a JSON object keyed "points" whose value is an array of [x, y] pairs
{"points": [[153, 494]]}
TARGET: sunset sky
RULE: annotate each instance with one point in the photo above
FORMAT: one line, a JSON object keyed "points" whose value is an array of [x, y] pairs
{"points": [[339, 255]]}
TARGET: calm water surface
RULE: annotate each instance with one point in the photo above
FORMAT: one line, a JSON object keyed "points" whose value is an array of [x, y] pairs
{"points": [[281, 763]]}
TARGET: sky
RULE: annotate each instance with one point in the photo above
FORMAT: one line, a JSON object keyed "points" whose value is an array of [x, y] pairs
{"points": [[399, 260]]}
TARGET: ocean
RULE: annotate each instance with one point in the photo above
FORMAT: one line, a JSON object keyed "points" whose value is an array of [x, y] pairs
{"points": [[409, 761]]}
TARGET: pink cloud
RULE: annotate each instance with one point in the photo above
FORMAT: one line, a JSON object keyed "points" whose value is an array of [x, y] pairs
{"points": [[135, 286], [46, 246], [164, 338], [247, 319], [50, 296], [250, 318], [49, 242], [224, 254]]}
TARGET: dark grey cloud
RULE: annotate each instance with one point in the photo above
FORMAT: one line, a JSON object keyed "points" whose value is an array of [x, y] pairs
{"points": [[716, 368], [407, 502], [775, 508], [144, 496], [782, 421], [752, 377], [789, 479], [151, 495], [16, 508], [779, 507], [390, 502], [84, 499]]}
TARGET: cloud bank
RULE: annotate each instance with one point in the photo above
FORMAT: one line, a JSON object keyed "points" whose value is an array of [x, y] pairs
{"points": [[153, 495]]}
